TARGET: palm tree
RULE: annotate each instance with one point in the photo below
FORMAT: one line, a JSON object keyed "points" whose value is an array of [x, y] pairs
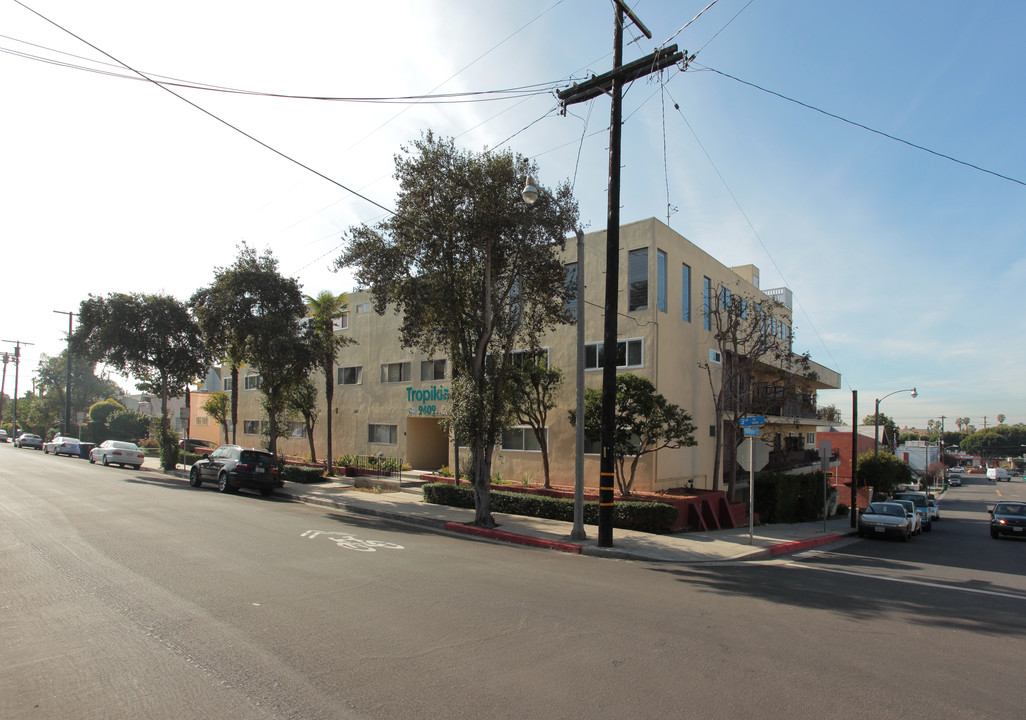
{"points": [[324, 309]]}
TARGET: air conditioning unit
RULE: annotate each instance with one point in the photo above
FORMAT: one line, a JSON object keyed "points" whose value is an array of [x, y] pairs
{"points": [[715, 356]]}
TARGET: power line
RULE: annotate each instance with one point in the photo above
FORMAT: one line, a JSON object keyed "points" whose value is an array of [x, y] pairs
{"points": [[865, 127]]}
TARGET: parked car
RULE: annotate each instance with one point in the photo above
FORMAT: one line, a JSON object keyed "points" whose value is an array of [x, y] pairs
{"points": [[28, 440], [886, 519], [195, 445], [117, 452], [233, 467], [955, 481], [63, 445], [1008, 518], [922, 506], [918, 519], [3, 435]]}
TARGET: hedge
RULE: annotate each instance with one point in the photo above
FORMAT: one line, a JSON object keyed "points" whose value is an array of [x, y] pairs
{"points": [[299, 474], [783, 498], [651, 517]]}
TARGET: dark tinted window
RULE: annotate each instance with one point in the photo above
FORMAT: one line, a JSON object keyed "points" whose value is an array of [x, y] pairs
{"points": [[260, 458]]}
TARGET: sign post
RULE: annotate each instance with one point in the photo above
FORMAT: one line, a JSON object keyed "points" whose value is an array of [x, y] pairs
{"points": [[752, 425]]}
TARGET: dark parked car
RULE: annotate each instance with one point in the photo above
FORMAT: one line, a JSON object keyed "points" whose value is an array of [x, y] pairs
{"points": [[233, 467], [200, 447], [1008, 518]]}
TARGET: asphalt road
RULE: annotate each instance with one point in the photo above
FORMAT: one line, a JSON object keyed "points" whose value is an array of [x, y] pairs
{"points": [[126, 594]]}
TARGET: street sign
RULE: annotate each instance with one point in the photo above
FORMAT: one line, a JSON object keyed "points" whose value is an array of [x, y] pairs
{"points": [[753, 421], [753, 432], [752, 455]]}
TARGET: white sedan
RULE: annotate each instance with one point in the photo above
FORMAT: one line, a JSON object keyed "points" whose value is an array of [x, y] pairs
{"points": [[117, 452]]}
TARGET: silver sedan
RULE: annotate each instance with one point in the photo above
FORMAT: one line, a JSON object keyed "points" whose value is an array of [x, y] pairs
{"points": [[117, 452]]}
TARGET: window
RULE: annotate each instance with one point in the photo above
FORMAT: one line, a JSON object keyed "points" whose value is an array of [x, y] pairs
{"points": [[629, 353], [227, 384], [384, 434], [352, 375], [297, 430], [685, 293], [202, 420], [250, 427], [706, 302], [661, 280], [432, 370], [725, 298], [395, 372], [637, 279], [570, 280], [521, 438], [715, 357], [251, 382], [519, 357], [363, 308], [340, 323], [810, 439]]}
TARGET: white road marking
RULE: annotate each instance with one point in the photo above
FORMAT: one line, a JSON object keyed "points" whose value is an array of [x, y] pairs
{"points": [[348, 542]]}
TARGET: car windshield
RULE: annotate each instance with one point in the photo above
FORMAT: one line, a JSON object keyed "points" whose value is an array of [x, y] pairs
{"points": [[886, 509], [1010, 510]]}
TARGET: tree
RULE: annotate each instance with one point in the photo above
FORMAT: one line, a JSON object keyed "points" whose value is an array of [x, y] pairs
{"points": [[276, 344], [888, 429], [86, 387], [150, 337], [218, 406], [225, 311], [325, 310], [1001, 419], [883, 472], [302, 400], [127, 425], [533, 388], [95, 428], [757, 372], [646, 422], [474, 272], [829, 413]]}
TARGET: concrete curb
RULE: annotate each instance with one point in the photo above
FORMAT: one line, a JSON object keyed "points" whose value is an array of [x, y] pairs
{"points": [[794, 546], [514, 538]]}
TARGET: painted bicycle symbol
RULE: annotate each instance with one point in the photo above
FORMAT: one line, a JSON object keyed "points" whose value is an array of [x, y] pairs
{"points": [[349, 542]]}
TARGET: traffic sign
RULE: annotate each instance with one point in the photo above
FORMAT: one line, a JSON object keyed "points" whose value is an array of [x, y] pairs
{"points": [[753, 421], [753, 432]]}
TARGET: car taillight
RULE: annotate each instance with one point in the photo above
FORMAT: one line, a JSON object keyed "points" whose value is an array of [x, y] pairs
{"points": [[116, 452], [243, 466]]}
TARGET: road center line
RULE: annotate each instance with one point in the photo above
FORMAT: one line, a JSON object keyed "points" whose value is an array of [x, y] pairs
{"points": [[923, 583]]}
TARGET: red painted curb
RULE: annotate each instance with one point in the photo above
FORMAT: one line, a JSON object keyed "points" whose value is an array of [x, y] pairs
{"points": [[799, 545], [514, 538]]}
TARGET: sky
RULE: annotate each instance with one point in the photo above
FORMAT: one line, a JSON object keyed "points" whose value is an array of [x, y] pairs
{"points": [[790, 142]]}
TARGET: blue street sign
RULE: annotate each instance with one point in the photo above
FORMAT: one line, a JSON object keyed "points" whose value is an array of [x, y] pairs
{"points": [[753, 432], [753, 421]]}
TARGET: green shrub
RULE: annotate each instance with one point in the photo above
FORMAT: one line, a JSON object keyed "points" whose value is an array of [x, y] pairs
{"points": [[651, 517], [783, 498], [298, 474]]}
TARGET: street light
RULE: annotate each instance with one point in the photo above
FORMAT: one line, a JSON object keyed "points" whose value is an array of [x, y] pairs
{"points": [[530, 192], [876, 417]]}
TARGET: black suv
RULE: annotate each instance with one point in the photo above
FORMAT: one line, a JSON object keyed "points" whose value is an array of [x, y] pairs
{"points": [[233, 467]]}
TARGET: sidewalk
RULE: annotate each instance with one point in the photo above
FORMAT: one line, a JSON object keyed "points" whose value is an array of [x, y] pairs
{"points": [[408, 506]]}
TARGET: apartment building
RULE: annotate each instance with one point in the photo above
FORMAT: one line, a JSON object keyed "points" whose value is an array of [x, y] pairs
{"points": [[389, 400]]}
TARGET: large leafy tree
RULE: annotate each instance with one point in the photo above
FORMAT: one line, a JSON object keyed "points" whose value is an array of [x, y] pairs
{"points": [[226, 311], [473, 271], [153, 338], [276, 344], [325, 311], [757, 372], [888, 429], [883, 471], [86, 387], [646, 422]]}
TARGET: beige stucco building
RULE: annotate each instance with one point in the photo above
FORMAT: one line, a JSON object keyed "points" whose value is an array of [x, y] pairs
{"points": [[388, 399]]}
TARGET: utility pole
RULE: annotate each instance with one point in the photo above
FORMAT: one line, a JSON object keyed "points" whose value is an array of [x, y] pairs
{"points": [[3, 384], [17, 360], [67, 383], [612, 83], [854, 456]]}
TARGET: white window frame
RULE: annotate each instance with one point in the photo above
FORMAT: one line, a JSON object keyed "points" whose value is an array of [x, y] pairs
{"points": [[248, 385], [404, 372], [518, 437], [339, 373], [250, 427], [372, 435], [593, 364], [429, 370]]}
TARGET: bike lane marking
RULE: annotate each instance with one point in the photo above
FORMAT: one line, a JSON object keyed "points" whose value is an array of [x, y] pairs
{"points": [[349, 542]]}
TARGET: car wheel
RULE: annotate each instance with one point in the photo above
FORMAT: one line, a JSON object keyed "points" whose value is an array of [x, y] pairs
{"points": [[91, 460], [906, 536], [222, 483], [194, 477], [103, 461]]}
